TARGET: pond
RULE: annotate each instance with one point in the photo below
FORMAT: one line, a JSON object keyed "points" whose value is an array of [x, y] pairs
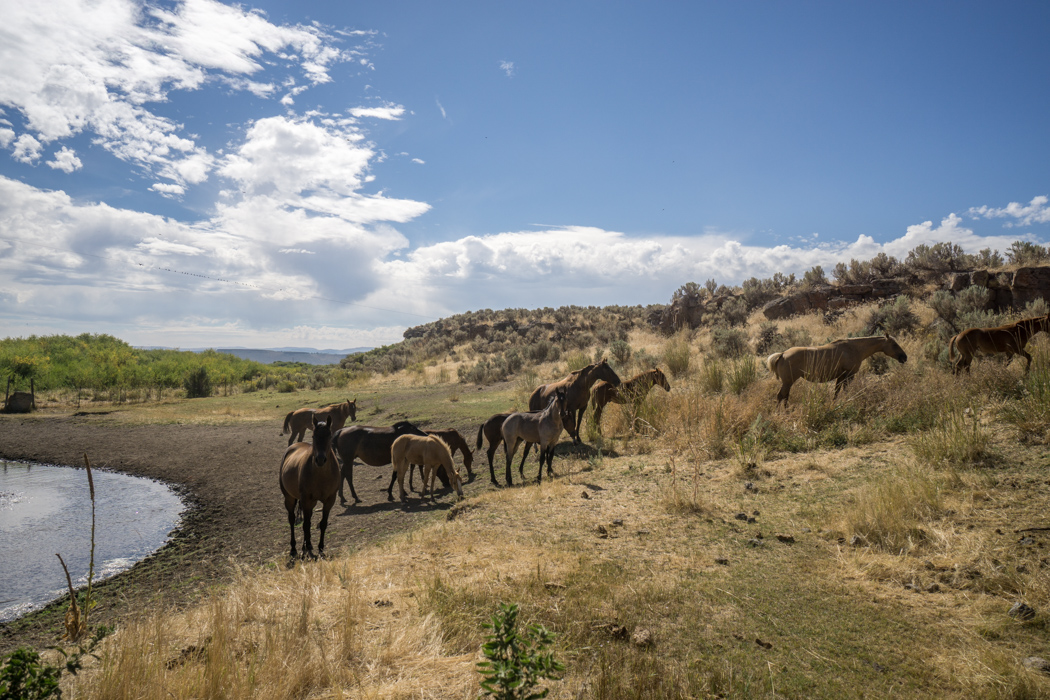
{"points": [[46, 510]]}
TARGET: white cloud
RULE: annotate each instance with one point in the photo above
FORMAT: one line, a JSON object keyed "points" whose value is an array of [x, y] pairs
{"points": [[389, 112], [1035, 212], [507, 67], [441, 108], [66, 160], [419, 160], [27, 149], [168, 189], [96, 65], [7, 135]]}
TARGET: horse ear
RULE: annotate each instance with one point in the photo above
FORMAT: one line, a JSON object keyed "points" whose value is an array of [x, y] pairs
{"points": [[314, 417]]}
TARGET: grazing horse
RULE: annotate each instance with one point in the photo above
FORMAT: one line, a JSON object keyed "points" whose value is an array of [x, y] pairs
{"points": [[577, 388], [372, 446], [634, 389], [335, 415], [430, 452], [310, 475], [542, 428], [1010, 339], [838, 360], [455, 442]]}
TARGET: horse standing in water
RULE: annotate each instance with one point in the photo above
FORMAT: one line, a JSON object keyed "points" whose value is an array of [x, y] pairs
{"points": [[839, 360], [430, 452], [542, 428], [577, 387], [299, 421], [634, 389], [310, 475], [1010, 339]]}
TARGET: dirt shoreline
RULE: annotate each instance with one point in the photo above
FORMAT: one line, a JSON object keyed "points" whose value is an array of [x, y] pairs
{"points": [[235, 517]]}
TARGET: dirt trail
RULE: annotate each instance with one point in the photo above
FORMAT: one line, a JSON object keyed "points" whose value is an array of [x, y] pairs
{"points": [[228, 475]]}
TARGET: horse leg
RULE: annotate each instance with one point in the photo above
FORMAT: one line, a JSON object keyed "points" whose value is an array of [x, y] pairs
{"points": [[782, 395], [289, 504], [598, 408], [521, 467], [490, 453], [843, 381], [508, 451], [390, 488], [347, 474], [539, 472], [308, 548], [291, 438], [326, 507]]}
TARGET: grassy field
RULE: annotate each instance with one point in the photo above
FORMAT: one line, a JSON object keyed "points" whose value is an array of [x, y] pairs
{"points": [[701, 544]]}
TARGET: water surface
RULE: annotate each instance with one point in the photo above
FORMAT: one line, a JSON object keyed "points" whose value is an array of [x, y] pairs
{"points": [[46, 510]]}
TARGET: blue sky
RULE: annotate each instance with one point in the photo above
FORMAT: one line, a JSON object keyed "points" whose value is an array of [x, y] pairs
{"points": [[326, 174]]}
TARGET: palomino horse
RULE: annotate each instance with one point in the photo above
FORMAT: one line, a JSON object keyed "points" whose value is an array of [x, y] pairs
{"points": [[1009, 339], [428, 451], [372, 446], [310, 475], [455, 442], [577, 388], [492, 429], [542, 428], [633, 390], [299, 421], [838, 360]]}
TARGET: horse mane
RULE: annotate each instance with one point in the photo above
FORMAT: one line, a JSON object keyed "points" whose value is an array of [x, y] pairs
{"points": [[445, 449]]}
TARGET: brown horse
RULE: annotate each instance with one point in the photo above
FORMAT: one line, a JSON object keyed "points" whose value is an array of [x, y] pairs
{"points": [[1010, 339], [838, 360], [634, 390], [310, 475], [455, 442], [372, 446], [542, 428], [335, 415], [492, 429], [577, 388], [428, 451]]}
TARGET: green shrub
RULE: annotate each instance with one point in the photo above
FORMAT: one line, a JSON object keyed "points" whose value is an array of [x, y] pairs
{"points": [[24, 677], [729, 342], [769, 339], [676, 355], [516, 662], [197, 384], [743, 372], [1025, 253], [892, 317], [621, 352]]}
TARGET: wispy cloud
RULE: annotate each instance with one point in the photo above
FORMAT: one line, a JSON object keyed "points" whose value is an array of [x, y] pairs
{"points": [[1035, 212], [389, 111], [507, 67], [441, 108]]}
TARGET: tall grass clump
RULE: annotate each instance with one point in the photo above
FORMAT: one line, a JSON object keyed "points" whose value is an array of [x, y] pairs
{"points": [[957, 440], [1030, 414], [676, 355], [712, 375], [743, 372], [890, 512]]}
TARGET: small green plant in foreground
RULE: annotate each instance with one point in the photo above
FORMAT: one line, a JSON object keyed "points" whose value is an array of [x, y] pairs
{"points": [[23, 677], [516, 662]]}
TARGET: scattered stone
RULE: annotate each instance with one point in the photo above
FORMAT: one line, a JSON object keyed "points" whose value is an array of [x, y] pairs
{"points": [[786, 539], [750, 487], [754, 542], [643, 532], [618, 522], [642, 637], [755, 513], [752, 520], [722, 561], [764, 645], [858, 541], [1021, 611], [1037, 664], [602, 532], [552, 586], [741, 516], [585, 495], [1026, 540], [383, 603]]}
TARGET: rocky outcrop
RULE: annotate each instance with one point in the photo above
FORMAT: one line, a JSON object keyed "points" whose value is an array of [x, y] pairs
{"points": [[685, 311], [1007, 290], [831, 298]]}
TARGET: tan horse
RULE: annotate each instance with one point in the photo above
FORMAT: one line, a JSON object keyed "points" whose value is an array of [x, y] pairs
{"points": [[455, 441], [310, 475], [1010, 339], [431, 452], [577, 388], [838, 360], [634, 389], [299, 421]]}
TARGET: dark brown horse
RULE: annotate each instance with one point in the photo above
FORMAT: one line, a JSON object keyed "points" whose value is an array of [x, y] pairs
{"points": [[541, 428], [839, 360], [633, 390], [1010, 339], [577, 388], [455, 441], [335, 415], [371, 445], [310, 475]]}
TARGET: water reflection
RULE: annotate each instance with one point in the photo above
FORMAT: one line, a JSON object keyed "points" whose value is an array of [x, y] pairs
{"points": [[46, 510]]}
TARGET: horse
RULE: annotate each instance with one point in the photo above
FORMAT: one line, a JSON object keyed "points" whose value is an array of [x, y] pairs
{"points": [[310, 475], [543, 428], [455, 442], [493, 430], [298, 421], [577, 386], [430, 452], [1010, 339], [633, 390], [372, 446], [838, 360]]}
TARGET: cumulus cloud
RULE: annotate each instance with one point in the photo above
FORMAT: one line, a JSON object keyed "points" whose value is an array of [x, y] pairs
{"points": [[507, 67], [96, 66], [66, 160], [389, 112], [1035, 212]]}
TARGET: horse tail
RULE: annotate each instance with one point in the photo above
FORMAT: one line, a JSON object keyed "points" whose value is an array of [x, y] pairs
{"points": [[772, 360], [287, 420], [951, 348], [481, 435]]}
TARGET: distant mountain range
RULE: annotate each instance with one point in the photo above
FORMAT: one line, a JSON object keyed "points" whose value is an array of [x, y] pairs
{"points": [[311, 356]]}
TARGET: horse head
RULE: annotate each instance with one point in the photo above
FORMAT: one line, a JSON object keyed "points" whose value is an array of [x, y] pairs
{"points": [[603, 370], [403, 427], [322, 441], [661, 379], [895, 351], [351, 408]]}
